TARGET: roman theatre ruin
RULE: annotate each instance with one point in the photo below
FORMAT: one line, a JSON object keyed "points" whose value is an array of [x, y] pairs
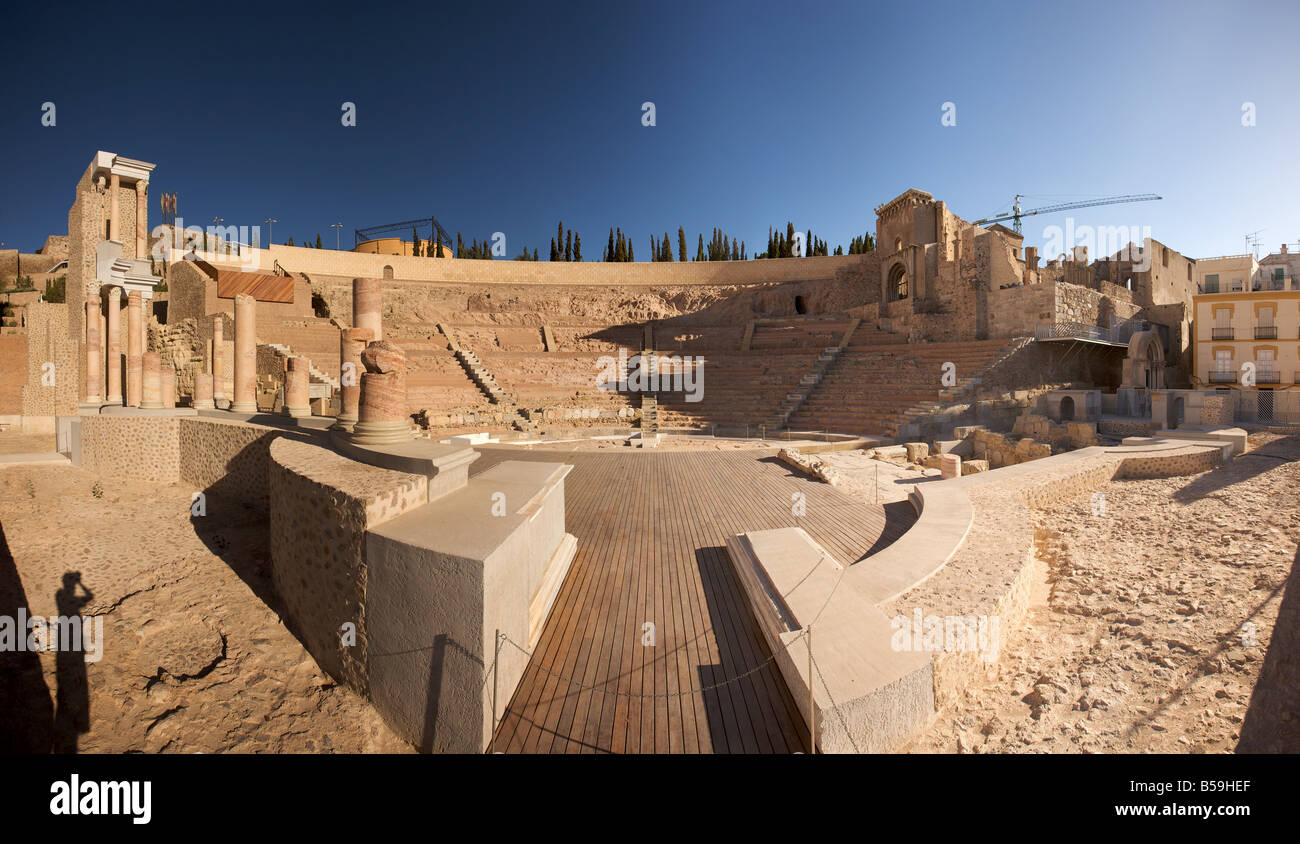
{"points": [[735, 506]]}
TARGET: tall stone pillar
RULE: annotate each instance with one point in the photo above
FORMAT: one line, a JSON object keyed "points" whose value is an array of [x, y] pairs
{"points": [[245, 400], [169, 387], [218, 359], [352, 342], [141, 212], [92, 350], [151, 392], [297, 393], [102, 370], [134, 347], [382, 416], [367, 304], [114, 216], [114, 345], [203, 392]]}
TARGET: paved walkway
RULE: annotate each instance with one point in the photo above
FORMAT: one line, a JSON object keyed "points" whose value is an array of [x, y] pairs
{"points": [[651, 646]]}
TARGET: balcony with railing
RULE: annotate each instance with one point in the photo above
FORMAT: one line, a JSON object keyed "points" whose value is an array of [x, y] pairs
{"points": [[1274, 283], [1223, 376], [1219, 333], [1266, 332], [1267, 375]]}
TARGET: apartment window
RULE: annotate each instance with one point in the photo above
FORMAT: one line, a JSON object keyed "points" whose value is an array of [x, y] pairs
{"points": [[1222, 324], [1223, 372], [1265, 329], [1265, 371], [1279, 273], [1212, 283]]}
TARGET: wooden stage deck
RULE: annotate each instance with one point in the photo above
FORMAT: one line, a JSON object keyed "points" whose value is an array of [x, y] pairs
{"points": [[650, 528]]}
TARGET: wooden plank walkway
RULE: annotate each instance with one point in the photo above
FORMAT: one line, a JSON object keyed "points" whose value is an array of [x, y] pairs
{"points": [[651, 528]]}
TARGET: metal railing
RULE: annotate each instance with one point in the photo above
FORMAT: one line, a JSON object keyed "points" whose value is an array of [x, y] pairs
{"points": [[1223, 376], [1265, 332], [1221, 333], [1267, 375]]}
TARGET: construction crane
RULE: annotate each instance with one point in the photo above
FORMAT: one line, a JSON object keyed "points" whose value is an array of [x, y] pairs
{"points": [[1017, 212]]}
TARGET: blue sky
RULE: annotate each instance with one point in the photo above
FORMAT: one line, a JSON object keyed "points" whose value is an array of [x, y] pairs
{"points": [[511, 117]]}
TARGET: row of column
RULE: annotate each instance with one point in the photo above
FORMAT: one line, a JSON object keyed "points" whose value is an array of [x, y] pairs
{"points": [[373, 400], [148, 383]]}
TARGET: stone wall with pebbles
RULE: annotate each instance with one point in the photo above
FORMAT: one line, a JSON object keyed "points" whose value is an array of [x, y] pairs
{"points": [[227, 458], [143, 448], [321, 506]]}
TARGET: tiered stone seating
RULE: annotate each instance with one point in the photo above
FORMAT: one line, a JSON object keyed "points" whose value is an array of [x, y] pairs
{"points": [[798, 334], [740, 390], [435, 380], [555, 380], [314, 338], [872, 389]]}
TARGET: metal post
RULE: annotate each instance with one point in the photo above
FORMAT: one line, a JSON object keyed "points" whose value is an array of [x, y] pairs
{"points": [[495, 659], [812, 698]]}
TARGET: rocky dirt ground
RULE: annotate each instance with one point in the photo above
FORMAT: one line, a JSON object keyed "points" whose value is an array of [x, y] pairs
{"points": [[194, 657], [1166, 619]]}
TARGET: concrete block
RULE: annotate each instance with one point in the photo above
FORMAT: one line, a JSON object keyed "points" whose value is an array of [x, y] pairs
{"points": [[970, 467], [916, 452]]}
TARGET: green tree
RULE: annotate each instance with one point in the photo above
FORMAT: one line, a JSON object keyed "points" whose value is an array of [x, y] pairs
{"points": [[577, 247], [681, 244], [568, 245], [699, 250]]}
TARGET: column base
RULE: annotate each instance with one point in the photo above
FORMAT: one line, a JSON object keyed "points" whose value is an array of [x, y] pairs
{"points": [[151, 405], [204, 405], [381, 433], [243, 407], [114, 399], [297, 412], [344, 423]]}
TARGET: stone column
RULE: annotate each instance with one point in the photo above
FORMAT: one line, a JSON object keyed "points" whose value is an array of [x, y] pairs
{"points": [[141, 212], [367, 302], [151, 390], [352, 342], [949, 466], [102, 370], [114, 345], [297, 393], [245, 354], [169, 387], [382, 416], [218, 359], [203, 392], [114, 218], [92, 349], [134, 347]]}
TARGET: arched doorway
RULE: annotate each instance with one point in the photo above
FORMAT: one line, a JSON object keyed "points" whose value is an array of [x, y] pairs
{"points": [[388, 271], [1067, 409], [800, 307], [897, 287]]}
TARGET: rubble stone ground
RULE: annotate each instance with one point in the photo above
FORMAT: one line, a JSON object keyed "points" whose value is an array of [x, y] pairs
{"points": [[1167, 619], [194, 658]]}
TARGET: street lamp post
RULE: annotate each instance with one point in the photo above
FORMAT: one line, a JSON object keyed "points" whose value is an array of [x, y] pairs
{"points": [[270, 230], [338, 227]]}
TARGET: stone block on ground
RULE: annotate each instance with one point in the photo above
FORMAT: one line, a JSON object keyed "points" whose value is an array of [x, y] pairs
{"points": [[970, 467]]}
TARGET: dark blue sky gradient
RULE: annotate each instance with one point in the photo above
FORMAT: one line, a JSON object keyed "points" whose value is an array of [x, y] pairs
{"points": [[511, 117]]}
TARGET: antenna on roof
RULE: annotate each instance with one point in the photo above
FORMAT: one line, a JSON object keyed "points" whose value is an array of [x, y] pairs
{"points": [[1252, 242]]}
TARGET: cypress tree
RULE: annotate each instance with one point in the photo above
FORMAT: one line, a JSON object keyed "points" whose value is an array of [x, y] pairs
{"points": [[568, 246], [681, 244], [654, 249], [577, 247], [554, 251], [631, 253], [699, 252], [609, 251], [440, 252]]}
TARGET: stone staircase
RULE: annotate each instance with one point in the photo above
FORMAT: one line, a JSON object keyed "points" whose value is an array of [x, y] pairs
{"points": [[521, 420], [649, 414], [321, 384], [794, 400]]}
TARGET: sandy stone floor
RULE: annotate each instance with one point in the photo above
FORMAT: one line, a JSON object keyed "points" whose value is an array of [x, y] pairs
{"points": [[14, 442], [1170, 622], [194, 658]]}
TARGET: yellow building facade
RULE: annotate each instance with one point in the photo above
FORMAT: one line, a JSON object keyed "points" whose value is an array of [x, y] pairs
{"points": [[1259, 327]]}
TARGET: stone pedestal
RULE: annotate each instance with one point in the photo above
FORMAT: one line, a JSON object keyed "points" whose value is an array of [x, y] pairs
{"points": [[245, 399], [297, 401], [169, 387], [92, 350], [134, 347], [949, 466], [382, 417], [352, 342], [113, 362], [203, 392], [151, 393], [367, 304]]}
